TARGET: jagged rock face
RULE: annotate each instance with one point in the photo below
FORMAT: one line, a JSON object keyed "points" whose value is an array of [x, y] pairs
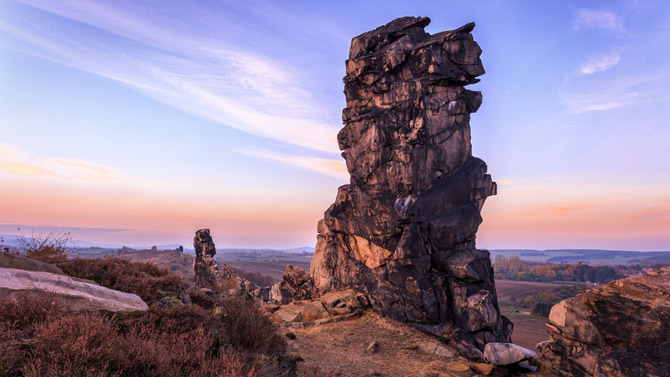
{"points": [[619, 329], [403, 230], [207, 274], [295, 285], [221, 279]]}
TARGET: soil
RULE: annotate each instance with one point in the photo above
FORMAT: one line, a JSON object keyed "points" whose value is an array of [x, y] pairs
{"points": [[341, 347]]}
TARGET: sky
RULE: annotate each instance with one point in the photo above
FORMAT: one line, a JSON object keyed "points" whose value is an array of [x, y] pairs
{"points": [[138, 122]]}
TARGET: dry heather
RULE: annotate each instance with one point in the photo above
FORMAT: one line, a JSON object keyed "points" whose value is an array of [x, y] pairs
{"points": [[211, 337]]}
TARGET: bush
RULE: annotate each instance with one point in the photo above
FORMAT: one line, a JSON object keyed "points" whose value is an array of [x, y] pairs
{"points": [[541, 309], [49, 247], [248, 328]]}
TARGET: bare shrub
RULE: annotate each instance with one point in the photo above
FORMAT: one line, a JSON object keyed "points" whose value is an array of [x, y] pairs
{"points": [[45, 247]]}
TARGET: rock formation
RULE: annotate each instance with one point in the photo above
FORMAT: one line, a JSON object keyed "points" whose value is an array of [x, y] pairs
{"points": [[73, 295], [403, 230], [207, 273], [222, 279], [295, 285], [619, 329]]}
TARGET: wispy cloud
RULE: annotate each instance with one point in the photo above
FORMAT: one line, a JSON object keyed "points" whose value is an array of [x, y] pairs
{"points": [[658, 215], [207, 77], [334, 168], [613, 94], [19, 162], [597, 19], [600, 63]]}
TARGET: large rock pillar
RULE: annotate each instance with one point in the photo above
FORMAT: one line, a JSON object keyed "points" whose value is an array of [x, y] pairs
{"points": [[403, 230]]}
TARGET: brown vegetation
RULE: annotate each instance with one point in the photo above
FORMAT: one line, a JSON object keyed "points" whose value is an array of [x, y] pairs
{"points": [[56, 343], [215, 336], [52, 245]]}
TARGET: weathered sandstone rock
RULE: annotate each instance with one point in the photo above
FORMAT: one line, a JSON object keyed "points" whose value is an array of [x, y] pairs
{"points": [[403, 230], [332, 305], [220, 279], [295, 285], [507, 353], [73, 295], [619, 329], [19, 262]]}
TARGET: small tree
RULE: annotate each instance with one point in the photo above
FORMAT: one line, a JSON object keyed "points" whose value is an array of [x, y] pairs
{"points": [[53, 245]]}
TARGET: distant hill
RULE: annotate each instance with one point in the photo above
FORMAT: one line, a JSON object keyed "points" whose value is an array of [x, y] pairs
{"points": [[587, 256]]}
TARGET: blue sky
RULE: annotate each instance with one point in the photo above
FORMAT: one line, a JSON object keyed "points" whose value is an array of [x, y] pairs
{"points": [[160, 117]]}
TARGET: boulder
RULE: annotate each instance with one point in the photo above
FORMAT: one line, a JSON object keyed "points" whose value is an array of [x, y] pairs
{"points": [[19, 262], [73, 295], [402, 232], [301, 311], [507, 353], [619, 329], [295, 285], [343, 302]]}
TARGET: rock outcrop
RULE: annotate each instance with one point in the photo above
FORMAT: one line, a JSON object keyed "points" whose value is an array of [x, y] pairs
{"points": [[619, 329], [295, 285], [403, 230], [332, 306], [205, 268], [19, 262], [220, 279], [73, 295]]}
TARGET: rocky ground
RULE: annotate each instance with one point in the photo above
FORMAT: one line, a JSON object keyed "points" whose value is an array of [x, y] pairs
{"points": [[371, 345]]}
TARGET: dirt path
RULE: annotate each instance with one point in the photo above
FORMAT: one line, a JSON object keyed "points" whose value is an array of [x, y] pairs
{"points": [[341, 346]]}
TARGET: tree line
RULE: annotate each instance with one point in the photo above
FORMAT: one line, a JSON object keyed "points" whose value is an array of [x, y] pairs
{"points": [[513, 268]]}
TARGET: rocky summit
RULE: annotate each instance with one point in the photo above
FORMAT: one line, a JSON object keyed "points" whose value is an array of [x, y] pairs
{"points": [[403, 231], [619, 329]]}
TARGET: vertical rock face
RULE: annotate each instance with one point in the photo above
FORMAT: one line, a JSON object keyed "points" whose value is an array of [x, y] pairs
{"points": [[619, 329], [403, 230], [205, 268]]}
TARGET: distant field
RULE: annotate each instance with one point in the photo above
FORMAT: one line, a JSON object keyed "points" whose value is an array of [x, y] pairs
{"points": [[509, 289], [528, 330], [273, 269], [587, 256]]}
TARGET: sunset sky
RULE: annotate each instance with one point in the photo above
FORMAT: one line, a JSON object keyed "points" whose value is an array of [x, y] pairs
{"points": [[138, 122]]}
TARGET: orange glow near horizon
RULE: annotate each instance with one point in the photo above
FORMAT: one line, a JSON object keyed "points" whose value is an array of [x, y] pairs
{"points": [[520, 216]]}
